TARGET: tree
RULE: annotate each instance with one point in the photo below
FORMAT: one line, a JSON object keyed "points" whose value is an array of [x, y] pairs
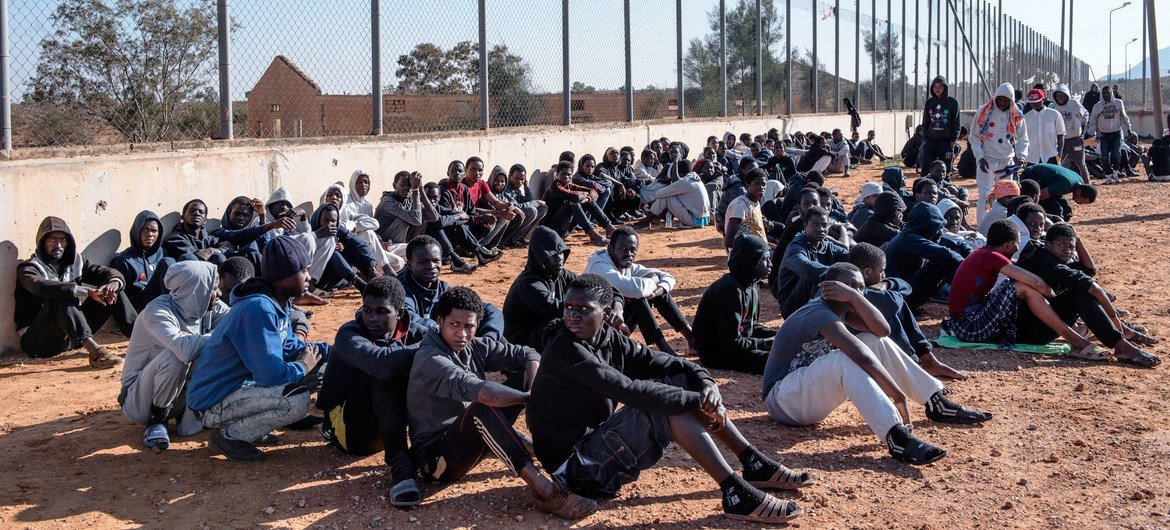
{"points": [[581, 88], [888, 66], [428, 69], [135, 64]]}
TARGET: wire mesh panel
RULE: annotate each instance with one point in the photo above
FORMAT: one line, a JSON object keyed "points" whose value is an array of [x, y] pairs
{"points": [[99, 71], [597, 59], [849, 45], [700, 32], [653, 72], [524, 61]]}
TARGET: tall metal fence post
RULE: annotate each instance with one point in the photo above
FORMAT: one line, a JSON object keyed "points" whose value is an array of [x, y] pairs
{"points": [[223, 23], [929, 44], [376, 66], [917, 44], [5, 88], [873, 63], [722, 56], [816, 63], [889, 55], [787, 51], [1069, 66], [837, 53], [566, 101], [999, 43], [760, 60], [1144, 62], [902, 81], [1152, 28], [484, 91], [682, 113], [856, 58], [629, 66]]}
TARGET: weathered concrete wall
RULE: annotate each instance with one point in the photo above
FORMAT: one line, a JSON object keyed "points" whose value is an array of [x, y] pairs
{"points": [[100, 195]]}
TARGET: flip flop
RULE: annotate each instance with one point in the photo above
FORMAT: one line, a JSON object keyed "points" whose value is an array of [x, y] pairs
{"points": [[770, 511], [1141, 359], [156, 437], [405, 494], [1092, 352], [785, 479]]}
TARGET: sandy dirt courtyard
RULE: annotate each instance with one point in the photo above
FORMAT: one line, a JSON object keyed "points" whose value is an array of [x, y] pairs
{"points": [[1074, 444]]}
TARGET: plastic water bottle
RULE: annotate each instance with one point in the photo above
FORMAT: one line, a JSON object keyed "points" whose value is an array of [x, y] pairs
{"points": [[669, 220]]}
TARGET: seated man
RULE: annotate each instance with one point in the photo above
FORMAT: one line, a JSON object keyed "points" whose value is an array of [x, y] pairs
{"points": [[1004, 191], [1158, 169], [744, 216], [328, 266], [912, 147], [1066, 266], [513, 188], [588, 367], [420, 280], [247, 380], [954, 231], [641, 287], [171, 330], [727, 327], [190, 240], [817, 363], [572, 206], [886, 221], [455, 199], [486, 202], [242, 230], [868, 148], [537, 295], [357, 216], [888, 295], [405, 211], [1056, 182], [839, 149], [458, 417], [894, 179], [863, 207], [805, 261], [61, 297], [817, 158], [363, 392], [144, 264], [237, 270], [915, 255], [733, 188], [685, 199]]}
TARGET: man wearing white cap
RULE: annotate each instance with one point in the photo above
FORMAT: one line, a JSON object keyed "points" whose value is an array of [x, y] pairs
{"points": [[1046, 130], [863, 206], [1072, 155]]}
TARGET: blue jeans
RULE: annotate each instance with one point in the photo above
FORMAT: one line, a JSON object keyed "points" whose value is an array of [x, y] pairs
{"points": [[1110, 145]]}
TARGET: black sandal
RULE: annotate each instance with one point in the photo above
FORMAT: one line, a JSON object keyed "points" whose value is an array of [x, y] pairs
{"points": [[1141, 359], [916, 452]]}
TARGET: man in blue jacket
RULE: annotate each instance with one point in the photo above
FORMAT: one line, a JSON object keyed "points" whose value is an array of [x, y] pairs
{"points": [[246, 381], [806, 259], [915, 254]]}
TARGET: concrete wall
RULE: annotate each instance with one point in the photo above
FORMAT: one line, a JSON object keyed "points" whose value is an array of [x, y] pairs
{"points": [[99, 195]]}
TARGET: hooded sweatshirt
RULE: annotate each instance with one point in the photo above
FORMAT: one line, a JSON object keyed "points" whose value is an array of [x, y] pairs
{"points": [[940, 115], [634, 281], [253, 344], [357, 252], [997, 134], [137, 264], [728, 316], [894, 179], [1073, 113], [178, 322], [890, 300], [537, 295], [917, 242], [240, 237], [356, 356], [801, 270], [879, 228], [355, 206], [40, 278], [1108, 116]]}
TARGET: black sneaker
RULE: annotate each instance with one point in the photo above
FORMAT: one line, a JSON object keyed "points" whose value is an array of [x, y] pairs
{"points": [[237, 450]]}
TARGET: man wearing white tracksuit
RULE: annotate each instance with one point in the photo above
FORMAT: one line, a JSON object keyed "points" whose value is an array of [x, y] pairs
{"points": [[999, 137]]}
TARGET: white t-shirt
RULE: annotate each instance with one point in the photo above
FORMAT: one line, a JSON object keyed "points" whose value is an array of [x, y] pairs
{"points": [[752, 218], [1043, 127]]}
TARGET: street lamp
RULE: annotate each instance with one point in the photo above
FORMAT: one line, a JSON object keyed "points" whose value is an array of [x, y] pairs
{"points": [[1126, 56], [1111, 39]]}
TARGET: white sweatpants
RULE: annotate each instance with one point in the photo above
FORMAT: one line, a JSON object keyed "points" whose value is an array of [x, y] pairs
{"points": [[985, 181], [809, 394]]}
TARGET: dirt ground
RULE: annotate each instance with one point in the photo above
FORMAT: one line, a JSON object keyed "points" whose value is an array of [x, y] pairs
{"points": [[1074, 444]]}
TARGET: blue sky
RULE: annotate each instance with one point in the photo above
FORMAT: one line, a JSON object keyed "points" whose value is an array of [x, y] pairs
{"points": [[329, 40]]}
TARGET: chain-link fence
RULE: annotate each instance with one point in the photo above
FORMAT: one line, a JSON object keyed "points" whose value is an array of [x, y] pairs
{"points": [[86, 72]]}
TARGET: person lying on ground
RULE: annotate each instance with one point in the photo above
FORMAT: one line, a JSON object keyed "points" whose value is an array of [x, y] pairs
{"points": [[457, 417], [171, 331], [816, 364], [537, 295], [143, 264], [61, 298], [1065, 264], [728, 329], [363, 392], [250, 375], [588, 367], [641, 288], [888, 295]]}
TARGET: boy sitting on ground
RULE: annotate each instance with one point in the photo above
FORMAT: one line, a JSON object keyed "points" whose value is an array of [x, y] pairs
{"points": [[916, 256], [458, 417], [727, 327], [805, 260], [816, 364], [589, 368], [363, 392]]}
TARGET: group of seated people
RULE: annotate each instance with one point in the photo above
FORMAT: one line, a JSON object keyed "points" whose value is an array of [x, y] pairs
{"points": [[217, 339]]}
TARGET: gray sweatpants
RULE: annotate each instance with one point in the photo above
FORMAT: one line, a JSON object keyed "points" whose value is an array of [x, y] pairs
{"points": [[161, 381], [250, 412], [1073, 156]]}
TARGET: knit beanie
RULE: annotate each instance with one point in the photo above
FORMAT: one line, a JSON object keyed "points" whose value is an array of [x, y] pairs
{"points": [[282, 257]]}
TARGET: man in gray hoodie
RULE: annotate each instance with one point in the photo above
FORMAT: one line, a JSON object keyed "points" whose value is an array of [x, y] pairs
{"points": [[170, 332], [1109, 119]]}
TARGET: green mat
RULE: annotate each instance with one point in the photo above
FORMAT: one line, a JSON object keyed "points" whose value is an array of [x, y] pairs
{"points": [[949, 341]]}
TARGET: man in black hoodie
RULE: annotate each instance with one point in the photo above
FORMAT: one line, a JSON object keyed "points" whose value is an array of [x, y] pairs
{"points": [[190, 240], [143, 265], [940, 124], [537, 296], [728, 333], [885, 222], [61, 297], [588, 367]]}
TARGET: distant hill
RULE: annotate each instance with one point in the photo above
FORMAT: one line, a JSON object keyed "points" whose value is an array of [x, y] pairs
{"points": [[1136, 71]]}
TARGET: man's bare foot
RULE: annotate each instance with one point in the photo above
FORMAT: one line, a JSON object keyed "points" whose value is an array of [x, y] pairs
{"points": [[310, 299], [937, 368]]}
